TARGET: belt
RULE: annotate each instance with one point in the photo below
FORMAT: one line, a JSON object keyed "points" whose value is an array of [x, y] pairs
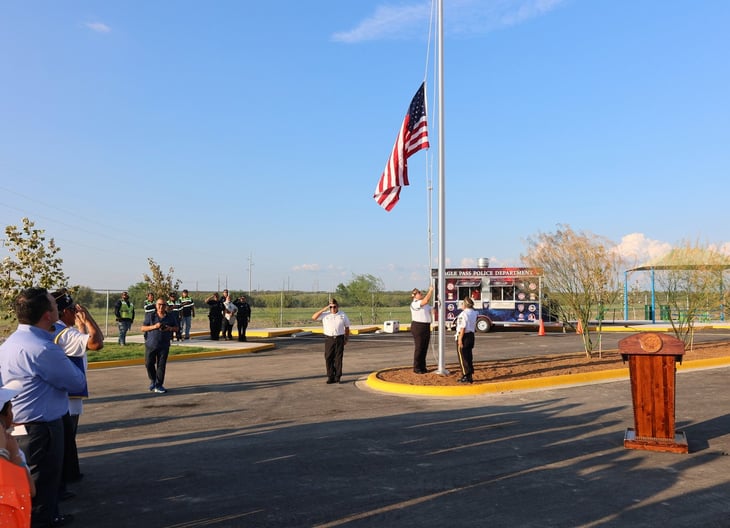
{"points": [[19, 429], [340, 335]]}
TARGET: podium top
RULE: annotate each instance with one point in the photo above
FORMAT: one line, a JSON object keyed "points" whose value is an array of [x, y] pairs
{"points": [[651, 344]]}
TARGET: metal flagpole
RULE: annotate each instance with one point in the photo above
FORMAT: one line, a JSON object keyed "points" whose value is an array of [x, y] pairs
{"points": [[442, 193]]}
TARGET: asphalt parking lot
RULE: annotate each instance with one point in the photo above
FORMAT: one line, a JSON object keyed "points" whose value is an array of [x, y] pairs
{"points": [[260, 440]]}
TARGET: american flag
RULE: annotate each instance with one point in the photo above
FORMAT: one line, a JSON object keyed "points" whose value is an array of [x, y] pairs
{"points": [[413, 136]]}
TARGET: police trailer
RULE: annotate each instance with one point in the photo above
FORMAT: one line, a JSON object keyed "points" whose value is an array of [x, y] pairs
{"points": [[502, 296]]}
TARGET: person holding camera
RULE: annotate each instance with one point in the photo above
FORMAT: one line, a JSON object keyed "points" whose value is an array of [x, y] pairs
{"points": [[336, 327], [160, 326], [76, 331]]}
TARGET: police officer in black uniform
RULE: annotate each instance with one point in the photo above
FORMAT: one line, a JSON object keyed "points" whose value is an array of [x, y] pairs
{"points": [[243, 316]]}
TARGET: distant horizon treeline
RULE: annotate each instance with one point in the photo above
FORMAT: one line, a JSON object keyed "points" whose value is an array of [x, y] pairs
{"points": [[258, 299]]}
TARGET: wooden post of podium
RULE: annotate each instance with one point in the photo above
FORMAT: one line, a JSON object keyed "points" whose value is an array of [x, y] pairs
{"points": [[652, 361]]}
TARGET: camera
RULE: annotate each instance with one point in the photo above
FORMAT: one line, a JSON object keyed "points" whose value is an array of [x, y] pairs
{"points": [[163, 328]]}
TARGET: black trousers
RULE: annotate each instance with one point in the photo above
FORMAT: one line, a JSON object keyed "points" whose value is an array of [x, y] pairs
{"points": [[227, 328], [421, 337], [215, 328], [242, 325], [334, 349], [43, 448], [155, 360], [466, 354], [71, 470]]}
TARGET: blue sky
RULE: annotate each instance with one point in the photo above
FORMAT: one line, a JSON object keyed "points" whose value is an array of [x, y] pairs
{"points": [[205, 134]]}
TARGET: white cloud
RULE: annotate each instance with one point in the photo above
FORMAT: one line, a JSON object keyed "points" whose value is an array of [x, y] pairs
{"points": [[637, 249], [723, 248], [306, 267], [98, 27], [465, 17], [387, 22], [527, 10]]}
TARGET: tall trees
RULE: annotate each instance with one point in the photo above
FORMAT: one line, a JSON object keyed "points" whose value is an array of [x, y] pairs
{"points": [[583, 268], [364, 291], [32, 262]]}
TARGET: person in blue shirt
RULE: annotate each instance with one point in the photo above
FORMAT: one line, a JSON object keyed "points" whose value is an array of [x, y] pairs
{"points": [[159, 327], [44, 377]]}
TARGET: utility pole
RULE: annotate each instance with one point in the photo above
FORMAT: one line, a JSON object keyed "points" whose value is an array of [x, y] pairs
{"points": [[250, 267]]}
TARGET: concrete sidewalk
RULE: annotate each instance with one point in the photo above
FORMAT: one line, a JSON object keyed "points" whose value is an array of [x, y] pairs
{"points": [[259, 439]]}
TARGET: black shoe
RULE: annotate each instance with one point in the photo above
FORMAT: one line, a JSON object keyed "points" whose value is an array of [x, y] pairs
{"points": [[330, 381], [466, 379], [62, 520], [337, 380], [420, 371]]}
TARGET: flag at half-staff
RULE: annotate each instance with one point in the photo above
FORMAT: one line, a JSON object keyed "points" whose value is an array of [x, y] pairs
{"points": [[413, 136]]}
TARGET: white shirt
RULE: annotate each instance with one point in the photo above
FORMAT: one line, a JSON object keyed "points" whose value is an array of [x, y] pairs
{"points": [[467, 320], [334, 324], [74, 344], [232, 308], [420, 314]]}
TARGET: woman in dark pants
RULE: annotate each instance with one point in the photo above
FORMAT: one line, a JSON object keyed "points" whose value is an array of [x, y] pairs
{"points": [[421, 328]]}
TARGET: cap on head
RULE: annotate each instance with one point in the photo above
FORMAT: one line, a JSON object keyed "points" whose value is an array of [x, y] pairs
{"points": [[63, 299]]}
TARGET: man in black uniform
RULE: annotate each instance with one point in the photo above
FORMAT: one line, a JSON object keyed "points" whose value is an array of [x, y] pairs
{"points": [[243, 317], [174, 307], [215, 316]]}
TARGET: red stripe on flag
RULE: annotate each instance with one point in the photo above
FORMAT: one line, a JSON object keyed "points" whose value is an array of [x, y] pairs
{"points": [[412, 137]]}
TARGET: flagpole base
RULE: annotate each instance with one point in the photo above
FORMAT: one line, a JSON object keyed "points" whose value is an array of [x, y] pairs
{"points": [[443, 372]]}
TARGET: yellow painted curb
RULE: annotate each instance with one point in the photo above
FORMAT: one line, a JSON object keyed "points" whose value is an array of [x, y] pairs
{"points": [[378, 384], [265, 333], [696, 364], [180, 357]]}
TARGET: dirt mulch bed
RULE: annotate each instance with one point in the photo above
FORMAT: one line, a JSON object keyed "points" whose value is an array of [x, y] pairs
{"points": [[538, 366]]}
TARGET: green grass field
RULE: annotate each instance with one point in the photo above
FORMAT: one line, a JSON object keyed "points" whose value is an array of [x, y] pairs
{"points": [[115, 352]]}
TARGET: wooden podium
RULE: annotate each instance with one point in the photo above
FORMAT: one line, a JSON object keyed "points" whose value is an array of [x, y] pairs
{"points": [[652, 361]]}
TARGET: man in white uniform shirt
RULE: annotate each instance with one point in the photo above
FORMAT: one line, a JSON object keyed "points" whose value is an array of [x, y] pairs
{"points": [[466, 324], [76, 331], [337, 332]]}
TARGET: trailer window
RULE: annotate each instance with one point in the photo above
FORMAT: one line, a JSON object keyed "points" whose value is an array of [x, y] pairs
{"points": [[502, 293]]}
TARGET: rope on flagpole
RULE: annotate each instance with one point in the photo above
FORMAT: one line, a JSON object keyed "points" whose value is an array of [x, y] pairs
{"points": [[429, 166]]}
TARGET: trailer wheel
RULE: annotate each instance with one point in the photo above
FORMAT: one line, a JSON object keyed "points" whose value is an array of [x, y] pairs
{"points": [[484, 325]]}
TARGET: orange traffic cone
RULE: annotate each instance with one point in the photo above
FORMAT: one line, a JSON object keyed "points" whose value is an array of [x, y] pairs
{"points": [[579, 329], [541, 331]]}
